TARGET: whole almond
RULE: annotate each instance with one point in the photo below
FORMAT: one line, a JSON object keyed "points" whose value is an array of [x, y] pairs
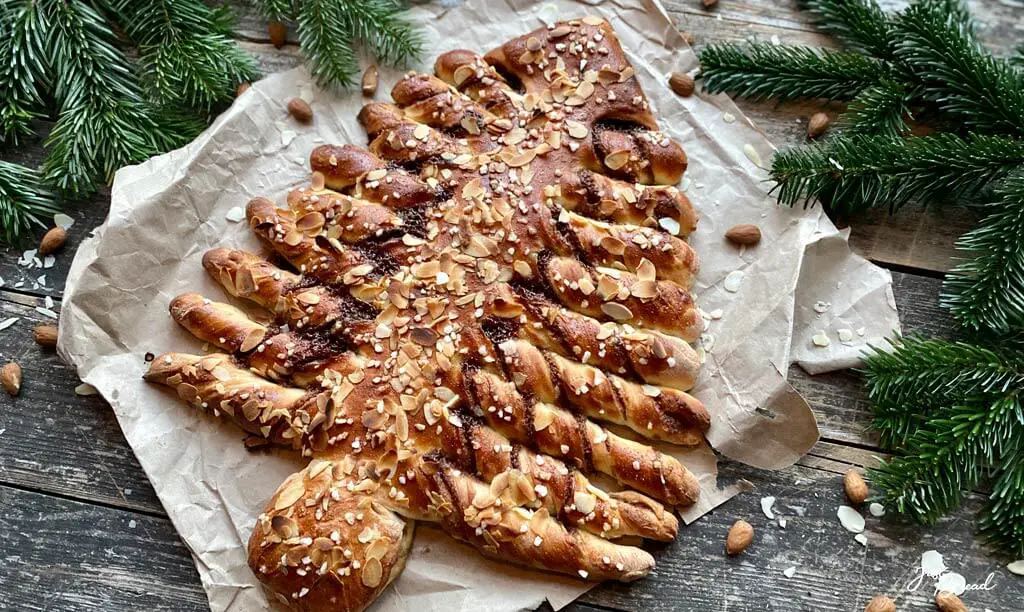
{"points": [[709, 3], [10, 378], [52, 241], [817, 125], [45, 335], [744, 234], [740, 535], [242, 88], [880, 603], [278, 33], [298, 108], [856, 488], [681, 83], [689, 38], [370, 79], [948, 602]]}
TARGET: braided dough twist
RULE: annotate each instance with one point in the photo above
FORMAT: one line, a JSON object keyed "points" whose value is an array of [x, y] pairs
{"points": [[502, 270]]}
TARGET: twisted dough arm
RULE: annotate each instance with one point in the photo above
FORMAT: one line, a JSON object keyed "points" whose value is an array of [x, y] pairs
{"points": [[584, 443], [545, 482], [331, 536]]}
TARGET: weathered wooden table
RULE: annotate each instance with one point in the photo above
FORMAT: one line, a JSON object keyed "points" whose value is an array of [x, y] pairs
{"points": [[82, 529]]}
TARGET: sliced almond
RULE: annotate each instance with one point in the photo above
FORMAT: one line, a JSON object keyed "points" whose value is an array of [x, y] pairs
{"points": [[646, 270], [462, 74], [617, 159], [293, 490], [617, 311], [372, 573], [644, 290], [576, 129]]}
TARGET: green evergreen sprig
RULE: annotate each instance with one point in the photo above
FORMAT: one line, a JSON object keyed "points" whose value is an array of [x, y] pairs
{"points": [[950, 411], [186, 54], [935, 42], [882, 109], [853, 173], [953, 411], [861, 25], [330, 31], [986, 291], [24, 201], [763, 70], [104, 121], [21, 68]]}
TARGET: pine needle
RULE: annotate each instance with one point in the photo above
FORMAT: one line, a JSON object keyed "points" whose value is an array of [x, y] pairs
{"points": [[852, 173], [327, 43], [860, 25], [952, 411], [22, 59], [187, 56], [104, 122], [881, 109], [987, 290], [330, 30], [24, 201], [935, 41], [763, 70]]}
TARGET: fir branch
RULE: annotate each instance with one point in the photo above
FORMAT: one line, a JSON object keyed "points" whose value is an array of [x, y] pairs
{"points": [[327, 43], [763, 70], [859, 24], [376, 23], [882, 109], [23, 201], [329, 30], [919, 377], [936, 43], [987, 290], [1002, 521], [953, 411], [278, 10], [22, 66], [854, 173], [104, 123], [186, 54]]}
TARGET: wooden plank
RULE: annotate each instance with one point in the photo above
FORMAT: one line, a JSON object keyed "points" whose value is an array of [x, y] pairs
{"points": [[61, 554], [833, 572], [55, 441], [70, 555]]}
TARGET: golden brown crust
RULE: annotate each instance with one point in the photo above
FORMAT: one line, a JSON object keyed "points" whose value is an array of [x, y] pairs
{"points": [[501, 269]]}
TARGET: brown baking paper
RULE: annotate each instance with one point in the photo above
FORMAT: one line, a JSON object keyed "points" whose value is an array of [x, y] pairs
{"points": [[763, 305]]}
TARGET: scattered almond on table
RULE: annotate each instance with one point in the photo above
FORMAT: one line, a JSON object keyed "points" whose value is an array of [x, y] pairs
{"points": [[689, 38], [817, 125], [681, 83], [52, 241], [300, 110], [45, 335], [880, 603], [370, 80], [855, 487], [709, 3], [10, 378], [744, 234], [278, 33], [740, 535], [948, 602], [242, 88]]}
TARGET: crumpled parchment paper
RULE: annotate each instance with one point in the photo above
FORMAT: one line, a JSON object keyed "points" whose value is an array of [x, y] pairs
{"points": [[764, 304]]}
